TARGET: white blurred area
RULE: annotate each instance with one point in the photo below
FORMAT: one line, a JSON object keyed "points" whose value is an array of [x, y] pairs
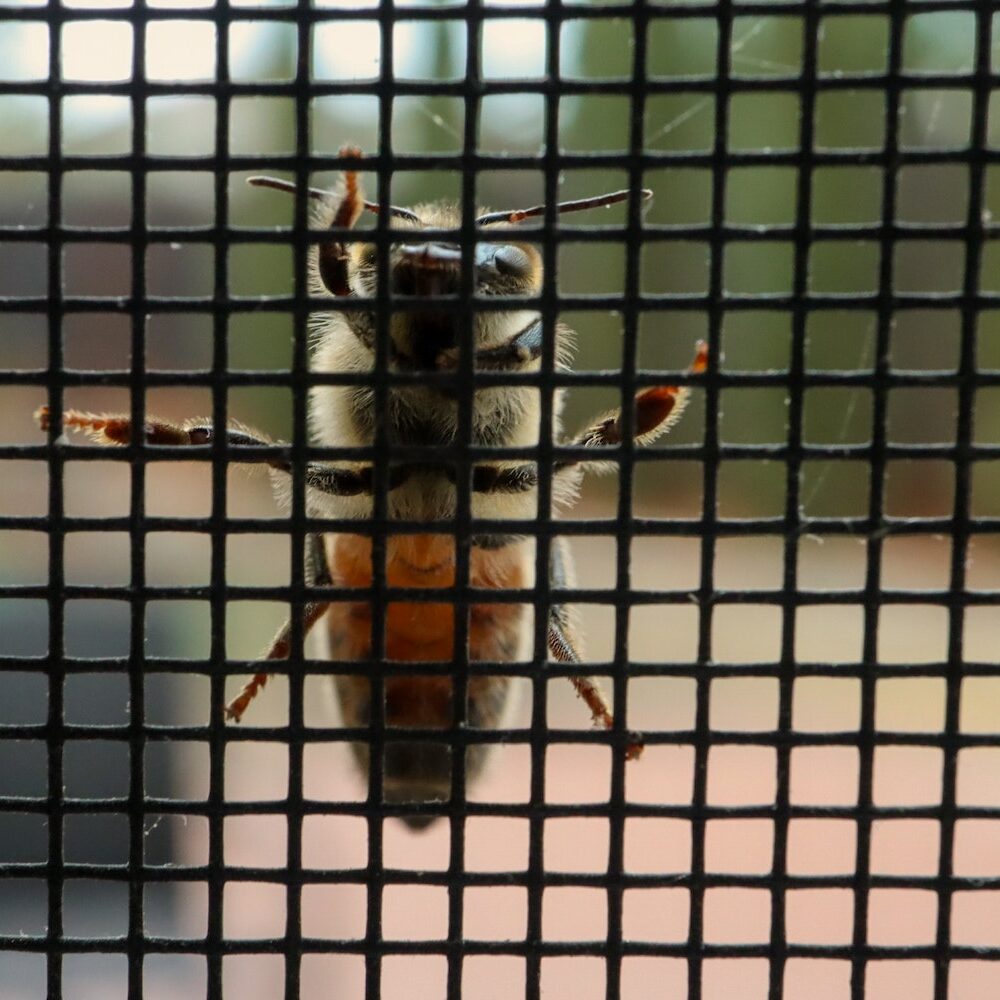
{"points": [[103, 51], [743, 634]]}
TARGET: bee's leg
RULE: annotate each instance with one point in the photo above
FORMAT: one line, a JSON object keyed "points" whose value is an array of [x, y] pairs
{"points": [[563, 650], [341, 211], [318, 574], [562, 645], [278, 650], [508, 479], [317, 565], [116, 429], [333, 258], [657, 409], [519, 351]]}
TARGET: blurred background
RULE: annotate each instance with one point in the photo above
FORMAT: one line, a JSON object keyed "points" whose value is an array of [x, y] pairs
{"points": [[182, 56]]}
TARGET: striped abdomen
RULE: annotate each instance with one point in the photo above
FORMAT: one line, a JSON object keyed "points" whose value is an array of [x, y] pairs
{"points": [[423, 631]]}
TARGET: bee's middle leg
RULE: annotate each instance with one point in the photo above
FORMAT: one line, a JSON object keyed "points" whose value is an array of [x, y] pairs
{"points": [[116, 429]]}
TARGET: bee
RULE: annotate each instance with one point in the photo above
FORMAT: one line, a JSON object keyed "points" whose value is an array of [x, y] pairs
{"points": [[424, 338]]}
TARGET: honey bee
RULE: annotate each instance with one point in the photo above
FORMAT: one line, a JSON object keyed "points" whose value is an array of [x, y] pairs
{"points": [[424, 338]]}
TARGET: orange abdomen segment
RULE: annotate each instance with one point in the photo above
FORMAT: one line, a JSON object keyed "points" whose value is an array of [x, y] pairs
{"points": [[423, 631]]}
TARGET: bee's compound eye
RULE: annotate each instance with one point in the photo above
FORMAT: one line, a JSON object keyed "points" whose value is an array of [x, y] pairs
{"points": [[512, 261]]}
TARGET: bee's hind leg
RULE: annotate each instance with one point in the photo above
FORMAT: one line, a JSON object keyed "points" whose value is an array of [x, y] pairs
{"points": [[562, 645], [318, 574], [278, 650]]}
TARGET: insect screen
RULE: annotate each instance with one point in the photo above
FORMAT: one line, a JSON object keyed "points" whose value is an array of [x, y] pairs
{"points": [[783, 779]]}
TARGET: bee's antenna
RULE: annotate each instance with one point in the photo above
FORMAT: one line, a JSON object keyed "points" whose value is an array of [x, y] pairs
{"points": [[321, 195], [394, 210], [600, 201], [288, 187]]}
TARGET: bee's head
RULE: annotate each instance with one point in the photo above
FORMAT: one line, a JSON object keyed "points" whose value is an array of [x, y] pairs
{"points": [[425, 264], [425, 267]]}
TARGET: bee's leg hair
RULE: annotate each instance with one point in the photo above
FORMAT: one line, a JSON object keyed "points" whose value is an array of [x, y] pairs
{"points": [[520, 350], [657, 409], [318, 574], [562, 645], [512, 479], [317, 566], [116, 429]]}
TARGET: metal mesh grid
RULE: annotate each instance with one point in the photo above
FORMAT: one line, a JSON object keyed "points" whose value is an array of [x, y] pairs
{"points": [[945, 489]]}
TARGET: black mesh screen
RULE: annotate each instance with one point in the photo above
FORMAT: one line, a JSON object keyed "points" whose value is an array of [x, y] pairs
{"points": [[791, 599]]}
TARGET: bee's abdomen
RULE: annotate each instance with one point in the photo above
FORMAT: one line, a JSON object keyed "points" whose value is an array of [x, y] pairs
{"points": [[416, 771], [424, 630]]}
